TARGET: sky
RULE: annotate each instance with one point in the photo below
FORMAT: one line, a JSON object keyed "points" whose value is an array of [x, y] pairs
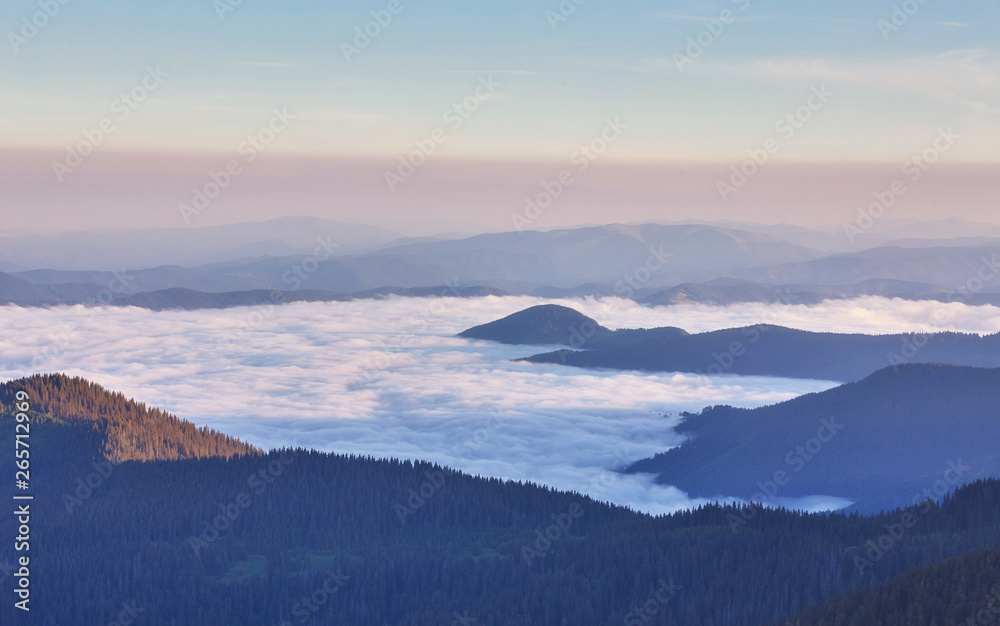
{"points": [[391, 379], [447, 115]]}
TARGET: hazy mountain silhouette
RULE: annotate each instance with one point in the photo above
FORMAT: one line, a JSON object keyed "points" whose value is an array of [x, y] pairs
{"points": [[153, 247], [725, 291], [947, 267], [17, 291], [523, 261], [884, 232], [655, 263]]}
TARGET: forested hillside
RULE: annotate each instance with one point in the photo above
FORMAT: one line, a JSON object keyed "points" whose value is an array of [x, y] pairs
{"points": [[891, 435], [123, 429], [961, 591], [303, 537]]}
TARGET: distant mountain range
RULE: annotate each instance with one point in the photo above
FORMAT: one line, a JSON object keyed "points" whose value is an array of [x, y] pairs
{"points": [[652, 263], [187, 299], [880, 437], [884, 232], [726, 291], [761, 350], [947, 267], [117, 248], [15, 291]]}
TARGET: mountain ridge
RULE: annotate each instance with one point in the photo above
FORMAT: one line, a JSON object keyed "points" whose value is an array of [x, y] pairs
{"points": [[407, 542], [894, 426], [120, 428], [759, 350]]}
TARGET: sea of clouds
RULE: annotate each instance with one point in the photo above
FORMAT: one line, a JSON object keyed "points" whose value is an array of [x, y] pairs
{"points": [[389, 378]]}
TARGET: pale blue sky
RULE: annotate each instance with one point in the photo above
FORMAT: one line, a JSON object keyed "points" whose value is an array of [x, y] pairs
{"points": [[607, 58], [892, 90]]}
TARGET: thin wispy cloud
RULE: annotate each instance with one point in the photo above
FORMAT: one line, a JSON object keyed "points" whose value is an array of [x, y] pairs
{"points": [[188, 105], [278, 64], [591, 49], [348, 116], [687, 18], [967, 78], [488, 72], [684, 17]]}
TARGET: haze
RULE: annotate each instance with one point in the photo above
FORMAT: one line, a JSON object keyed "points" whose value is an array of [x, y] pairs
{"points": [[533, 86]]}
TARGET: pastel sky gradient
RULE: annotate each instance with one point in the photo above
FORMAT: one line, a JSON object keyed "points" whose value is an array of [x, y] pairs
{"points": [[557, 86]]}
